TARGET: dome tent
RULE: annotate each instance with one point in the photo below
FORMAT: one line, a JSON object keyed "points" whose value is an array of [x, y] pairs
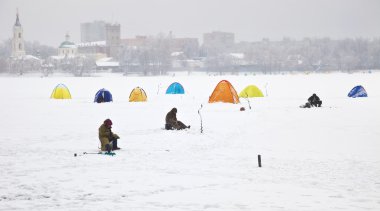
{"points": [[103, 96], [175, 88], [357, 91], [137, 95], [224, 92], [251, 91], [60, 92]]}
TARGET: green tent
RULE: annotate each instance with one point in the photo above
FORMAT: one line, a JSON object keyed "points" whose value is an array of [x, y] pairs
{"points": [[251, 91]]}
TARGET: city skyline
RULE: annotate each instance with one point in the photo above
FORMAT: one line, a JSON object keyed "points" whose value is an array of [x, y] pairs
{"points": [[48, 21]]}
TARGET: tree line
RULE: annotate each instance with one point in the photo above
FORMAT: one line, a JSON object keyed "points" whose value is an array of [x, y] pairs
{"points": [[156, 57], [319, 54]]}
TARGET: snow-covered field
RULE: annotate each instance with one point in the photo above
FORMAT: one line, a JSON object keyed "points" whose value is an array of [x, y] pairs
{"points": [[313, 159]]}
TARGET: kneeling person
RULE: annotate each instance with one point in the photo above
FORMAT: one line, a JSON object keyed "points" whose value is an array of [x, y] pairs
{"points": [[315, 101], [172, 122], [107, 138]]}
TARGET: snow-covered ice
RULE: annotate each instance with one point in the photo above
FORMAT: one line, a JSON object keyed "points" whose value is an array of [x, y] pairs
{"points": [[313, 159]]}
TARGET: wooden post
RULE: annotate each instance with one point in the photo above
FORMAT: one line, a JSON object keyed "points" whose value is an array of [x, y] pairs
{"points": [[259, 159]]}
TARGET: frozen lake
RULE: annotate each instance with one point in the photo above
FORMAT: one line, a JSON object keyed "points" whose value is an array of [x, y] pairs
{"points": [[324, 158]]}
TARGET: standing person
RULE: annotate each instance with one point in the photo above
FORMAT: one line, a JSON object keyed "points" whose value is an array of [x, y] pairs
{"points": [[172, 122], [107, 138], [315, 101]]}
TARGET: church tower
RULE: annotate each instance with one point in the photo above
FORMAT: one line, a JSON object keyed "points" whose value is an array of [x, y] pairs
{"points": [[18, 48]]}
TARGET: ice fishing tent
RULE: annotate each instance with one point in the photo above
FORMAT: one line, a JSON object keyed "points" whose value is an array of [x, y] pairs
{"points": [[251, 91], [224, 92], [60, 92], [357, 91], [103, 96], [175, 88], [137, 95]]}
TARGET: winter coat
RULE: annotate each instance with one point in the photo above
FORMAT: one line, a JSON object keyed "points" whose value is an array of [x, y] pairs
{"points": [[172, 122], [171, 117], [105, 136], [313, 99]]}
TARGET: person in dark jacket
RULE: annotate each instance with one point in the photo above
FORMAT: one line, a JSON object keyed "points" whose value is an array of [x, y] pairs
{"points": [[107, 138], [315, 101], [172, 122]]}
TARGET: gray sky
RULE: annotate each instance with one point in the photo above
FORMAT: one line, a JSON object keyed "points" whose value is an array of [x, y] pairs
{"points": [[47, 21]]}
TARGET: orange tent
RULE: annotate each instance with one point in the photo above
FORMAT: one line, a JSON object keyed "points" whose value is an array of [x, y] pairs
{"points": [[224, 92]]}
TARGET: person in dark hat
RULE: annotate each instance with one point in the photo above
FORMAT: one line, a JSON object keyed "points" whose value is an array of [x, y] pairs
{"points": [[107, 138], [172, 123]]}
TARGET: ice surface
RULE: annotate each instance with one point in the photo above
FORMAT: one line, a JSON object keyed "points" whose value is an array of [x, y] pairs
{"points": [[313, 159]]}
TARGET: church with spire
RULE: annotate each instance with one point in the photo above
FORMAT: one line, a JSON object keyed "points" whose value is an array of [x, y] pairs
{"points": [[18, 47], [20, 62]]}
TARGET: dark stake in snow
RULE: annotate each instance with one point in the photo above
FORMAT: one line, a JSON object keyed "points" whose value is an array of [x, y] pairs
{"points": [[249, 103], [200, 116], [158, 88], [259, 160]]}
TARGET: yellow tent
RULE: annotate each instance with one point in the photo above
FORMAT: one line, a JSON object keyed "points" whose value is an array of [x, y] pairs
{"points": [[224, 92], [137, 95], [60, 92], [251, 91]]}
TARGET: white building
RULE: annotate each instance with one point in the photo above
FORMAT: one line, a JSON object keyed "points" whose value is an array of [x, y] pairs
{"points": [[18, 47], [67, 49]]}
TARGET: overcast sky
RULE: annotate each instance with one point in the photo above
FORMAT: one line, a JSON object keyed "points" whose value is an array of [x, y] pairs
{"points": [[47, 21]]}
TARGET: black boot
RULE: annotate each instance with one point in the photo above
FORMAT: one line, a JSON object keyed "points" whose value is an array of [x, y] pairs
{"points": [[108, 148], [114, 145]]}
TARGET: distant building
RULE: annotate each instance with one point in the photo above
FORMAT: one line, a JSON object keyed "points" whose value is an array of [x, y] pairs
{"points": [[237, 59], [99, 31], [107, 64], [189, 46], [218, 42], [97, 49], [67, 49], [219, 38], [113, 40], [18, 47], [19, 61], [137, 42], [168, 51], [92, 32]]}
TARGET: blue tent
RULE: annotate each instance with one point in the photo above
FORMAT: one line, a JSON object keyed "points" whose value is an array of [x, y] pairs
{"points": [[103, 96], [175, 88], [358, 91]]}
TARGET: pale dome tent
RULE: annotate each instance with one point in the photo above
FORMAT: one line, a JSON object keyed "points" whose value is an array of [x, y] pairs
{"points": [[175, 88], [137, 95], [60, 92], [251, 91], [358, 91], [224, 92], [103, 96]]}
